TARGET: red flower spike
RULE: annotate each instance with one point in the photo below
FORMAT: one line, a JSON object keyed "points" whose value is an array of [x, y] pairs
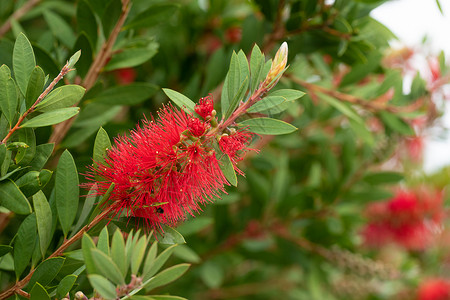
{"points": [[205, 107], [158, 176], [409, 219], [434, 289], [196, 127]]}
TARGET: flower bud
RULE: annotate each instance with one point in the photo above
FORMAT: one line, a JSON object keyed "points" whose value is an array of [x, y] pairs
{"points": [[277, 67]]}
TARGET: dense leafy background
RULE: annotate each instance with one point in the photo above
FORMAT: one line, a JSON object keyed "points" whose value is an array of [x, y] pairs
{"points": [[291, 228]]}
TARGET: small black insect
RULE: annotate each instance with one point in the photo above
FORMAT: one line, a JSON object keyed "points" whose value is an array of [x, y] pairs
{"points": [[159, 210]]}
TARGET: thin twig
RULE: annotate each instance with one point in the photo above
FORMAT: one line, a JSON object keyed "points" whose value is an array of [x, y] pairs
{"points": [[373, 106], [66, 69], [17, 288], [94, 71], [17, 15]]}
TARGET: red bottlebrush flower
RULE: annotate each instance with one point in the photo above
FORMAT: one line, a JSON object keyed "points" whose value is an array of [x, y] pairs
{"points": [[125, 76], [233, 34], [434, 289], [235, 145], [205, 107], [159, 175], [196, 127], [408, 219]]}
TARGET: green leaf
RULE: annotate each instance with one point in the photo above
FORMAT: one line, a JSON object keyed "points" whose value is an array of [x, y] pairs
{"points": [[107, 267], [87, 244], [85, 61], [43, 153], [153, 268], [359, 71], [238, 97], [395, 123], [344, 108], [43, 219], [64, 96], [103, 286], [112, 14], [268, 126], [256, 67], [152, 16], [99, 206], [150, 258], [25, 155], [38, 292], [103, 241], [212, 274], [171, 236], [67, 191], [166, 276], [60, 29], [131, 57], [137, 254], [31, 182], [276, 99], [227, 168], [23, 62], [46, 271], [383, 178], [24, 244], [74, 59], [131, 94], [65, 285], [52, 117], [101, 145], [13, 199], [35, 86], [185, 253], [99, 6], [193, 226], [118, 252], [87, 22], [180, 100], [5, 249], [8, 90], [87, 207]]}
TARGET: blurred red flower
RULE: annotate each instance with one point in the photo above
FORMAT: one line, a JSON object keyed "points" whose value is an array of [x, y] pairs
{"points": [[408, 219], [434, 289]]}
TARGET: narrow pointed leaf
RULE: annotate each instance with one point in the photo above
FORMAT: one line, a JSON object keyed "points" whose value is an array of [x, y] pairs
{"points": [[8, 92], [138, 254], [180, 100], [268, 126], [118, 252], [107, 267], [38, 292], [101, 145], [87, 244], [103, 286], [23, 62], [52, 117], [103, 241], [35, 86], [227, 168], [13, 199], [166, 276], [24, 244], [65, 285], [67, 190], [157, 263], [64, 96], [171, 236], [44, 220], [46, 271]]}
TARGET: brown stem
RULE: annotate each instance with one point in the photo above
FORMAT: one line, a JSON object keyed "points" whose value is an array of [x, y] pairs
{"points": [[66, 69], [373, 106], [20, 284], [100, 61], [278, 31], [17, 15]]}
